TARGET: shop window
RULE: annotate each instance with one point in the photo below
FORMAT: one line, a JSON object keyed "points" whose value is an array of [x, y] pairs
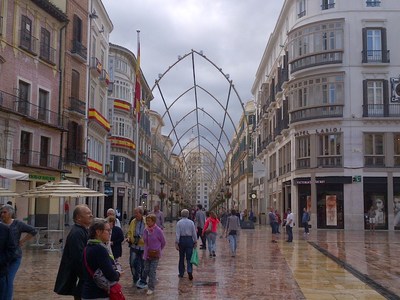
{"points": [[375, 199], [396, 150], [373, 3], [374, 150], [330, 213]]}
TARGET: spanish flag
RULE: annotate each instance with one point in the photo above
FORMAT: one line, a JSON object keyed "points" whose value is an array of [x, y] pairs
{"points": [[138, 87]]}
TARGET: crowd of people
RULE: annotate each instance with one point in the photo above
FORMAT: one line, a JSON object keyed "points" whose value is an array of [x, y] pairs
{"points": [[90, 267]]}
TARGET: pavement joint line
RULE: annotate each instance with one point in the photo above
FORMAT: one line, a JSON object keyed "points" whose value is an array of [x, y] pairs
{"points": [[385, 292]]}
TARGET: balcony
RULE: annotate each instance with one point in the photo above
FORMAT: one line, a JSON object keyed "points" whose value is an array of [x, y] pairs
{"points": [[76, 105], [14, 104], [79, 50], [47, 53], [28, 42], [96, 67], [330, 162], [381, 110], [105, 78], [374, 161], [316, 59], [75, 157], [320, 112], [325, 5], [373, 3], [303, 163], [36, 159], [301, 14], [376, 56]]}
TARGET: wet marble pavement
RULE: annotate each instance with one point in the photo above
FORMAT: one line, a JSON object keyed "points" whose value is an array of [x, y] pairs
{"points": [[327, 265]]}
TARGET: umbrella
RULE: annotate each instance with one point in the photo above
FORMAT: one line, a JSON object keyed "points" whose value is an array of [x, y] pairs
{"points": [[61, 189], [11, 174], [7, 193]]}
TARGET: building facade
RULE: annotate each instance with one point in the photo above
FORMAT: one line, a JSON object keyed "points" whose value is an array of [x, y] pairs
{"points": [[328, 110]]}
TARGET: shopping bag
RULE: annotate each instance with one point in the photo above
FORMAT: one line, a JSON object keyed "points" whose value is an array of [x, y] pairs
{"points": [[195, 257]]}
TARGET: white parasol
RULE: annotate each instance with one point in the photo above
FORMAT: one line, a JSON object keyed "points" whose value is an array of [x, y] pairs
{"points": [[61, 189], [11, 174]]}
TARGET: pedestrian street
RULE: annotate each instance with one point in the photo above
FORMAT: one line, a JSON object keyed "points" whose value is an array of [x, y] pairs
{"points": [[330, 264]]}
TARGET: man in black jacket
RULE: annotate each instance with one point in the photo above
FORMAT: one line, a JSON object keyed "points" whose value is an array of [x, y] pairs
{"points": [[71, 269], [7, 254]]}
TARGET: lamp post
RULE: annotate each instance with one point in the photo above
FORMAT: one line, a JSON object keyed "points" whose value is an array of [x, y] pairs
{"points": [[171, 200], [162, 196], [227, 184]]}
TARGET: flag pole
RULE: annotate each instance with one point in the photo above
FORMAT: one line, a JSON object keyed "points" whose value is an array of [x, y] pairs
{"points": [[137, 110]]}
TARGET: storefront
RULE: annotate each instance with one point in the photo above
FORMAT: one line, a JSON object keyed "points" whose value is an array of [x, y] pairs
{"points": [[396, 203], [375, 197]]}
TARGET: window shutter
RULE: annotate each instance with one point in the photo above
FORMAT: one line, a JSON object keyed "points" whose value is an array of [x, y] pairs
{"points": [[385, 98], [365, 99], [364, 43], [385, 56]]}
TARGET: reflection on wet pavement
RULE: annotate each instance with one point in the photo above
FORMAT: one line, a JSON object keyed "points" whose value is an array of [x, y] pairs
{"points": [[329, 265]]}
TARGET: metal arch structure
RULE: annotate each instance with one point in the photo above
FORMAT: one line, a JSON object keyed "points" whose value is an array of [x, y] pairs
{"points": [[196, 88]]}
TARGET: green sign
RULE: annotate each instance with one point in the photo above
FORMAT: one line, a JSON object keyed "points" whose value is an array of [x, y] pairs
{"points": [[42, 177], [357, 178]]}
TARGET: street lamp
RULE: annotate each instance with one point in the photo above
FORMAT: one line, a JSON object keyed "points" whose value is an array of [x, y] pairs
{"points": [[171, 199], [228, 194], [162, 195]]}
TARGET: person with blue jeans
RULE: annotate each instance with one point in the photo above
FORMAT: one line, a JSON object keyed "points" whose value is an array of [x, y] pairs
{"points": [[17, 228], [136, 242], [305, 219], [185, 241], [212, 235], [273, 221], [232, 231], [7, 254], [289, 225]]}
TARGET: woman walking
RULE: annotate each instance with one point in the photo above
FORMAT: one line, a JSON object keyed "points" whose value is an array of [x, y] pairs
{"points": [[117, 237], [96, 256], [16, 228], [211, 233], [232, 231], [154, 243]]}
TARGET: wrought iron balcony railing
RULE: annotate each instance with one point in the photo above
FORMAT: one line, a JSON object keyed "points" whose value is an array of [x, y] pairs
{"points": [[36, 159], [28, 42]]}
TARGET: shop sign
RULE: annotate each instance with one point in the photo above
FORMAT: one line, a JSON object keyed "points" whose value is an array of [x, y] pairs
{"points": [[42, 177], [319, 131]]}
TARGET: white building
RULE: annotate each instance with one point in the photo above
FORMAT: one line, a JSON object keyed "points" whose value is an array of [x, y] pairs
{"points": [[328, 108]]}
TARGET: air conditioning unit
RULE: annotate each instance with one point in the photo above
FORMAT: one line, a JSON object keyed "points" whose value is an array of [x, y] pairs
{"points": [[395, 83]]}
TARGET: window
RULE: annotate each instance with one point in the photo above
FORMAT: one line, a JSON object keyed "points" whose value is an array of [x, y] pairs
{"points": [[121, 167], [25, 148], [397, 149], [373, 3], [327, 4], [301, 8], [122, 127], [43, 104], [374, 150], [77, 29], [26, 41], [75, 84], [329, 152], [24, 97], [45, 45], [303, 152], [375, 46], [44, 151], [375, 98]]}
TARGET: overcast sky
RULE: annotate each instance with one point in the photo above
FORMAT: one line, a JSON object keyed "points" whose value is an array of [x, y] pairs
{"points": [[231, 33]]}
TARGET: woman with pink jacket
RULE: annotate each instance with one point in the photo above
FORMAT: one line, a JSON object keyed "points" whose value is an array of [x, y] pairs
{"points": [[210, 231]]}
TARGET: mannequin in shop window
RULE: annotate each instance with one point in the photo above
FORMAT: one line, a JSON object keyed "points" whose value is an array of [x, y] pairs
{"points": [[379, 211], [396, 207]]}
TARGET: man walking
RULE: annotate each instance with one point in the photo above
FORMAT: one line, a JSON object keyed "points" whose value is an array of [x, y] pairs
{"points": [[186, 240], [289, 225], [159, 216], [69, 277], [273, 221], [136, 243], [304, 220], [200, 219]]}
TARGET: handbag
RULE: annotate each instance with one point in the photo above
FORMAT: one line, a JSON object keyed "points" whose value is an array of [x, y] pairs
{"points": [[209, 228], [153, 254], [114, 289], [232, 232], [194, 259]]}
